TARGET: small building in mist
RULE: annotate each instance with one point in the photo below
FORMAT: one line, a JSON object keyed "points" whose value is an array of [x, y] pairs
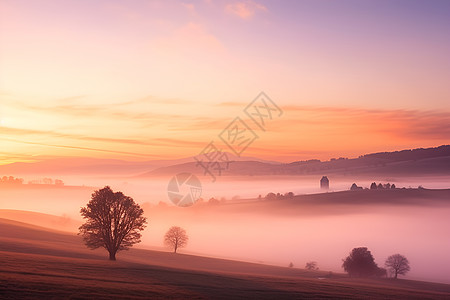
{"points": [[324, 183]]}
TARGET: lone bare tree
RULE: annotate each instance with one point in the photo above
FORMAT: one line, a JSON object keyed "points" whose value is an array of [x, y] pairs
{"points": [[175, 238], [113, 221], [397, 264]]}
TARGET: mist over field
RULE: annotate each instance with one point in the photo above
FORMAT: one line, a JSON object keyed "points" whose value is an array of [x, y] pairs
{"points": [[277, 232], [237, 149]]}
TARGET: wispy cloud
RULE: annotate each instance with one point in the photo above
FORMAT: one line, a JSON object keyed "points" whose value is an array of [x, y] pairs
{"points": [[232, 104], [395, 123], [128, 110], [189, 6], [76, 147], [191, 39], [244, 9], [6, 132], [302, 132]]}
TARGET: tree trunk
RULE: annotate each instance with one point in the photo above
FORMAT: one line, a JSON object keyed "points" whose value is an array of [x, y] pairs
{"points": [[112, 255], [175, 248], [395, 274]]}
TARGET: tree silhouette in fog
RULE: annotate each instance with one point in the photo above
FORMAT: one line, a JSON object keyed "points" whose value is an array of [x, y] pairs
{"points": [[311, 265], [360, 263], [381, 272], [175, 238], [113, 221], [397, 264]]}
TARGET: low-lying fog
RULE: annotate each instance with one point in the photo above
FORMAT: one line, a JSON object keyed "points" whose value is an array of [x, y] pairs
{"points": [[297, 234]]}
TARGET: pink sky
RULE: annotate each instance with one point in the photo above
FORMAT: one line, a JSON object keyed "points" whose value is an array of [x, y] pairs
{"points": [[161, 79]]}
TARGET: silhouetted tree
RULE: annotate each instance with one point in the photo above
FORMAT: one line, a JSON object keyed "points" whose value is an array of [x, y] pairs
{"points": [[113, 221], [213, 201], [291, 265], [360, 263], [355, 187], [271, 196], [393, 186], [380, 186], [311, 265], [289, 195], [47, 181], [373, 186], [175, 238], [397, 264]]}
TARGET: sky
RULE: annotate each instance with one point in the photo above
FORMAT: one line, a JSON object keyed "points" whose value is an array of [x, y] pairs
{"points": [[144, 80]]}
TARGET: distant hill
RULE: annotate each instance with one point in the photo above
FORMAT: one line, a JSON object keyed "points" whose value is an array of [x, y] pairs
{"points": [[410, 162], [95, 166]]}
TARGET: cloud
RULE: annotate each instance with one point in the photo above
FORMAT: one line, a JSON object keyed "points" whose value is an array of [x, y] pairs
{"points": [[195, 35], [137, 109], [189, 6], [28, 133], [399, 123], [180, 143], [8, 131], [244, 9], [232, 104], [76, 147], [137, 127]]}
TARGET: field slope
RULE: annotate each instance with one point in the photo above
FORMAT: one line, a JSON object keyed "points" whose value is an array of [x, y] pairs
{"points": [[39, 263]]}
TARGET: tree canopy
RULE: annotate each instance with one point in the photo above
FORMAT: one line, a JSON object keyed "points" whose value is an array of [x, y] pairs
{"points": [[360, 263], [113, 221]]}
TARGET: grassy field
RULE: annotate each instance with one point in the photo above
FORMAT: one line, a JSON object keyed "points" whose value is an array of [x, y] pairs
{"points": [[38, 263]]}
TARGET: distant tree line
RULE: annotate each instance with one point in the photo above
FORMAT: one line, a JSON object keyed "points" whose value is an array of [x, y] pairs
{"points": [[47, 181], [380, 186], [278, 196], [374, 186], [11, 180]]}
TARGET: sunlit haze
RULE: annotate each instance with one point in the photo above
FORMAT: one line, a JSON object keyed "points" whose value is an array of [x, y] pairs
{"points": [[239, 149], [158, 79]]}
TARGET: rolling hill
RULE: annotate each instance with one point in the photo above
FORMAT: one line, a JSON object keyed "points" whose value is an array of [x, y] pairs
{"points": [[41, 263], [431, 161]]}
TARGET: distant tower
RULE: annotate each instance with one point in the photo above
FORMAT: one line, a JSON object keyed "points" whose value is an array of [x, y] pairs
{"points": [[324, 183]]}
